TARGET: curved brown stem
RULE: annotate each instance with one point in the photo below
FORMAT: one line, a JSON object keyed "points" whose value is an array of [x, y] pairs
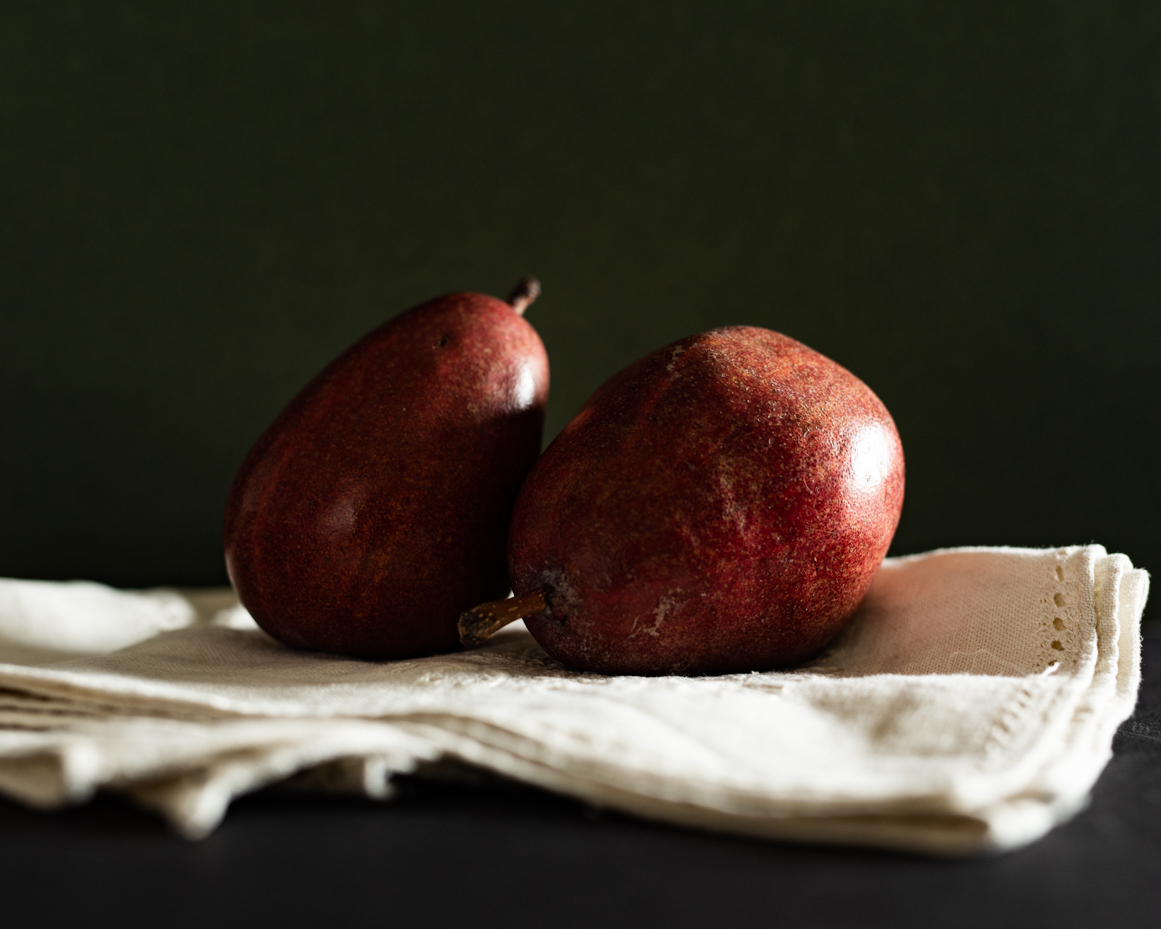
{"points": [[482, 622], [524, 293]]}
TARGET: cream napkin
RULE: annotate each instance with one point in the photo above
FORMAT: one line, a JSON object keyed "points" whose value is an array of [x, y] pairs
{"points": [[969, 706]]}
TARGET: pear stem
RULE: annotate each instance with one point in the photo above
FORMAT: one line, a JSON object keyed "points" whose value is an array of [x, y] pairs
{"points": [[524, 294], [482, 622]]}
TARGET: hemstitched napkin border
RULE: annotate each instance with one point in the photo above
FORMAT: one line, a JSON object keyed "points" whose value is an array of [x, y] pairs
{"points": [[968, 707]]}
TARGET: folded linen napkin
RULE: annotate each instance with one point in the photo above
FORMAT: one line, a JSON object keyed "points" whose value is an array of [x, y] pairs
{"points": [[968, 707]]}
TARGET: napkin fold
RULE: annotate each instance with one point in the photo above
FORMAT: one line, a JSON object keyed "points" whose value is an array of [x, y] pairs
{"points": [[969, 707]]}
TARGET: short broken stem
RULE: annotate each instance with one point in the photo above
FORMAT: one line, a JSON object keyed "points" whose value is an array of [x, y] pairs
{"points": [[482, 622], [524, 293]]}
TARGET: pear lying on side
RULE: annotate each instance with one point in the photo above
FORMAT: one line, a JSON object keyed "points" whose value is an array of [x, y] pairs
{"points": [[375, 509], [720, 506]]}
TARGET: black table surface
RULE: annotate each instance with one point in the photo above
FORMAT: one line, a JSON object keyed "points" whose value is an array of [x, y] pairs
{"points": [[505, 854]]}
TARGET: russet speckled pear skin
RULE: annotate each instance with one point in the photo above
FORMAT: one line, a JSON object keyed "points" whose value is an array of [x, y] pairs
{"points": [[720, 506], [375, 509]]}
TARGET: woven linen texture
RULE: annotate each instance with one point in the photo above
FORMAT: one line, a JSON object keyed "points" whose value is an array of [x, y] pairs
{"points": [[968, 707]]}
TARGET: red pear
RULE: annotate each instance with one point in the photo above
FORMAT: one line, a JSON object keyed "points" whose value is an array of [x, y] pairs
{"points": [[720, 506], [375, 509]]}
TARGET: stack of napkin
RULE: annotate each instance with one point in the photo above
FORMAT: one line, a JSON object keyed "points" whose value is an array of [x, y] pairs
{"points": [[968, 707]]}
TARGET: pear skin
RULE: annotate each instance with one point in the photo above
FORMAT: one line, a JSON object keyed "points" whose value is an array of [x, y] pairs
{"points": [[721, 505], [375, 509]]}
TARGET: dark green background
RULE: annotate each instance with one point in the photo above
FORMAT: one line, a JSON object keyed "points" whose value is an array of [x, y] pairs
{"points": [[201, 204]]}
